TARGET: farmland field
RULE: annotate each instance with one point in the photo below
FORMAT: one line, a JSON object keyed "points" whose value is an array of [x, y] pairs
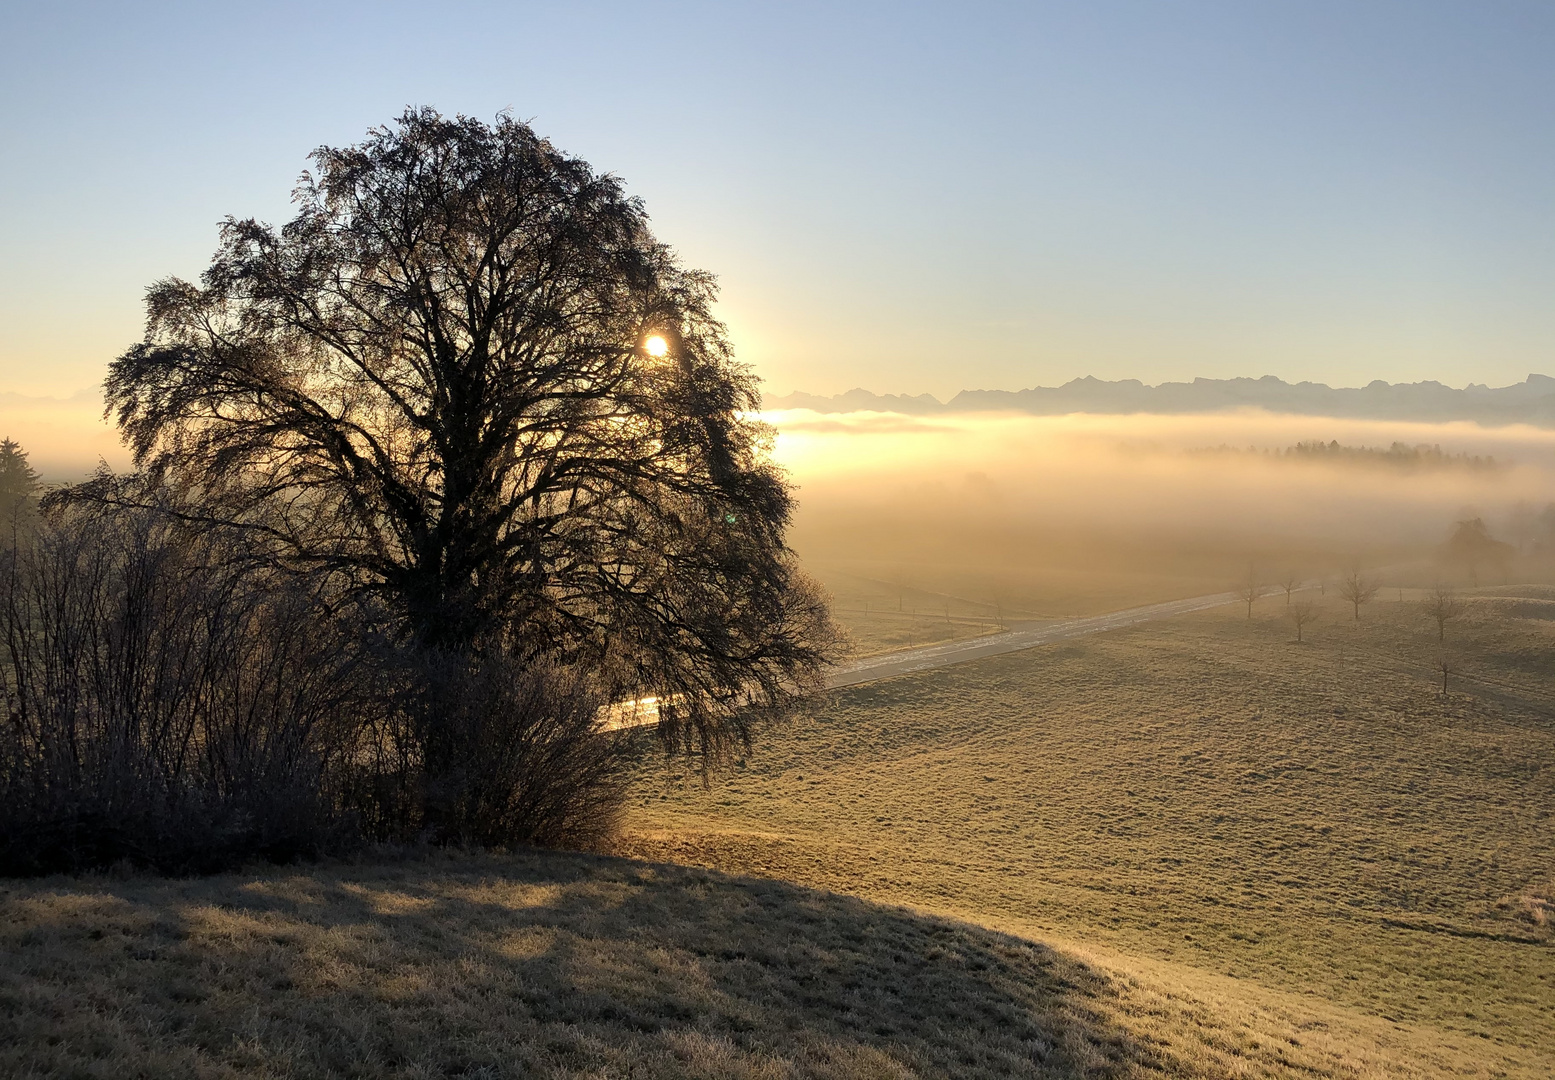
{"points": [[1186, 848], [1204, 794], [890, 606]]}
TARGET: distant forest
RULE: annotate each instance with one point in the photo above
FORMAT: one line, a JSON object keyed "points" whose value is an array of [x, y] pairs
{"points": [[1531, 401], [1421, 458]]}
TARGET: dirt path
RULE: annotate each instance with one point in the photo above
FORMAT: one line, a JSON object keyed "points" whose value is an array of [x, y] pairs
{"points": [[643, 712], [929, 657]]}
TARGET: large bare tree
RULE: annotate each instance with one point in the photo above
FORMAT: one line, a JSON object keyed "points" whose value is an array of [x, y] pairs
{"points": [[468, 381]]}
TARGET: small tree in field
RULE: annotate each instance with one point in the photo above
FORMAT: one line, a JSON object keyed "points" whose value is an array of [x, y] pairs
{"points": [[1447, 664], [1249, 589], [1443, 605], [1301, 613], [1356, 589], [1290, 583]]}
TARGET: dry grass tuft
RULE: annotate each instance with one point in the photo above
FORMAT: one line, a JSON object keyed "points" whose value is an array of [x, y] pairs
{"points": [[1534, 906]]}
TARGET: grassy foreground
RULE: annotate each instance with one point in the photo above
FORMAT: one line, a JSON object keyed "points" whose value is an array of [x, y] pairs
{"points": [[1206, 804], [540, 965], [1190, 848]]}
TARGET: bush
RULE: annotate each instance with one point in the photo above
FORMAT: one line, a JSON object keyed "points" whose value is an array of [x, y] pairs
{"points": [[512, 751], [174, 703], [163, 704]]}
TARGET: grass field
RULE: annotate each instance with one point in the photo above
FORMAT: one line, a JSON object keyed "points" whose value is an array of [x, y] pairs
{"points": [[885, 606], [1313, 820], [545, 965], [1189, 848]]}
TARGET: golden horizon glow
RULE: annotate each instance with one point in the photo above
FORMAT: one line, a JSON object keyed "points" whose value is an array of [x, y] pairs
{"points": [[877, 482], [656, 346]]}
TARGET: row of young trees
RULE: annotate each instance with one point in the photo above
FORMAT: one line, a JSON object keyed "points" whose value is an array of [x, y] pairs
{"points": [[1468, 548], [425, 478], [1441, 604]]}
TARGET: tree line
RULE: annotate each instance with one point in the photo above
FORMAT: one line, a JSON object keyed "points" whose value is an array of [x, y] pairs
{"points": [[1421, 457]]}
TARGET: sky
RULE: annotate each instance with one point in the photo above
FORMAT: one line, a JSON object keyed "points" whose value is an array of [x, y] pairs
{"points": [[906, 197]]}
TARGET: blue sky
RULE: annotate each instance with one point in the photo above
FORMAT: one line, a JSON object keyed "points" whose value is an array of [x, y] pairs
{"points": [[906, 197]]}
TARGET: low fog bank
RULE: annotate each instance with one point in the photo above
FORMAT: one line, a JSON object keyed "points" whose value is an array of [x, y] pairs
{"points": [[1196, 497]]}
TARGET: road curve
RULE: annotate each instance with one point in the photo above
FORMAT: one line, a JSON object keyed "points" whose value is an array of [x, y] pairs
{"points": [[929, 657]]}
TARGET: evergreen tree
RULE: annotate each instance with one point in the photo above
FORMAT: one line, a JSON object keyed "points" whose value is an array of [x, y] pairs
{"points": [[18, 479]]}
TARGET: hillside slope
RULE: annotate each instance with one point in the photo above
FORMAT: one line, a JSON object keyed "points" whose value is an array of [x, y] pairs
{"points": [[1204, 803], [535, 965]]}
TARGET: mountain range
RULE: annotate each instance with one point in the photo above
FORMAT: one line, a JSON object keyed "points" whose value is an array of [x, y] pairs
{"points": [[1531, 401]]}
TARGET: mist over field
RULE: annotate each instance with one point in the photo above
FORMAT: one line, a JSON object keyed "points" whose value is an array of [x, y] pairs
{"points": [[1009, 488], [1201, 494]]}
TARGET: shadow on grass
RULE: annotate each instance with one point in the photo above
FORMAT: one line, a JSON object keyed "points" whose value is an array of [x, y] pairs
{"points": [[532, 965]]}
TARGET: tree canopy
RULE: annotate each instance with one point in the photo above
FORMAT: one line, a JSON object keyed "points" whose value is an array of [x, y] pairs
{"points": [[467, 382]]}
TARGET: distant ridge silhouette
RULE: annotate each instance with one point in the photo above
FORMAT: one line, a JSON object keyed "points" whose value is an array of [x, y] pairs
{"points": [[1531, 401]]}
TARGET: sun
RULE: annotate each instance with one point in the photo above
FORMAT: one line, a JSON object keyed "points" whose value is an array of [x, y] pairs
{"points": [[656, 346]]}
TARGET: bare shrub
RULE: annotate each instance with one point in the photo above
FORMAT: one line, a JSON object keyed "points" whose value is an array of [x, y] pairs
{"points": [[163, 705], [512, 751], [172, 703]]}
